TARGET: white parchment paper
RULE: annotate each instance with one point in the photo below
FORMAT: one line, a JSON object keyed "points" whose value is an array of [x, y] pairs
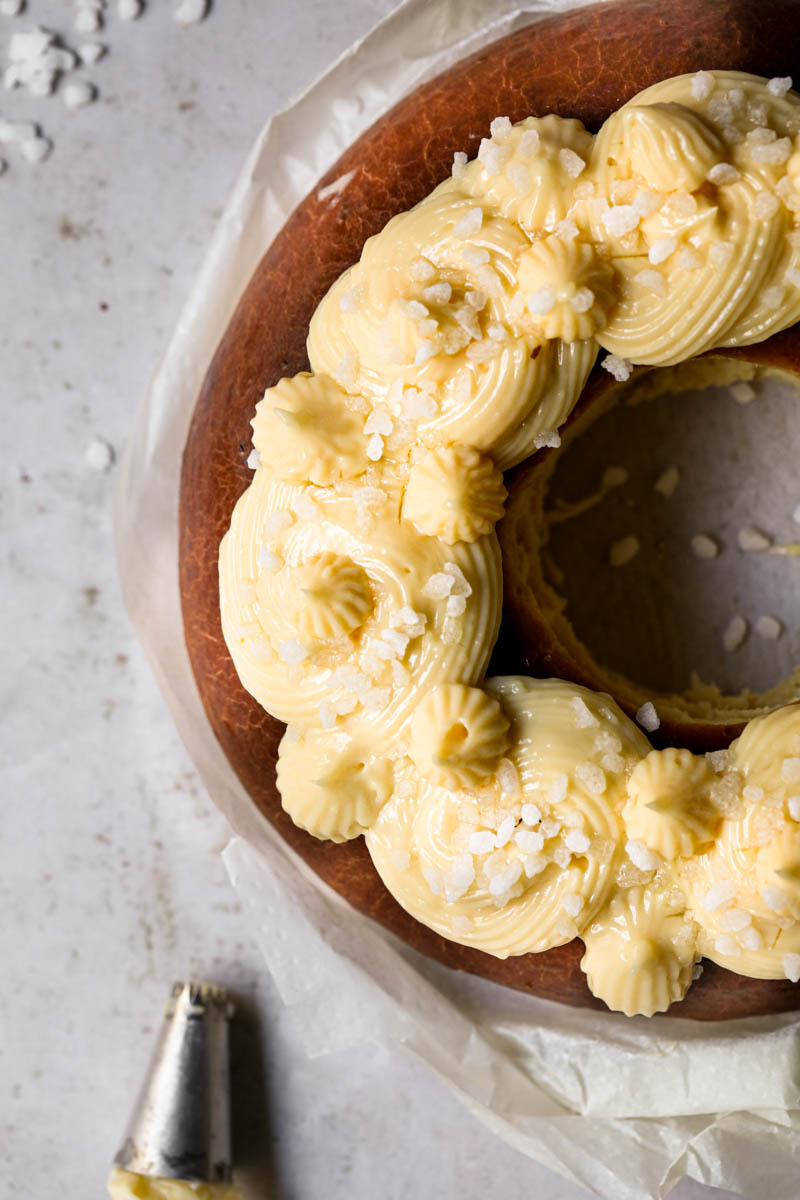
{"points": [[624, 1107]]}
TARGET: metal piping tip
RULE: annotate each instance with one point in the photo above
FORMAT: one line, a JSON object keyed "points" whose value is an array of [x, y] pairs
{"points": [[180, 1127]]}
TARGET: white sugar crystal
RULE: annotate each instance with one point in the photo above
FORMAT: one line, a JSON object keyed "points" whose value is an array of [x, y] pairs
{"points": [[774, 898], [306, 507], [753, 539], [327, 716], [720, 253], [549, 438], [36, 149], [276, 523], [460, 585], [621, 220], [541, 301], [620, 368], [652, 280], [779, 85], [460, 878], [667, 481], [529, 841], [129, 10], [425, 350], [623, 551], [475, 255], [641, 856], [459, 164], [508, 778], [753, 794], [531, 814], [582, 301], [721, 895], [688, 260], [571, 162], [768, 627], [735, 633], [347, 369], [529, 143], [434, 880], [723, 173], [253, 459], [350, 300], [396, 640], [438, 293], [549, 828], [410, 620], [422, 270], [774, 154], [562, 857], [438, 586], [189, 12], [493, 157], [567, 230], [375, 447], [378, 421], [504, 832], [99, 455], [558, 789], [661, 249], [500, 128], [520, 178], [792, 276], [572, 903], [401, 860], [489, 281], [726, 945], [773, 296], [704, 546], [534, 864], [742, 392], [482, 842], [576, 841], [702, 85], [469, 224], [455, 606], [292, 651], [765, 205], [735, 920], [751, 939], [376, 699], [78, 94], [462, 924], [791, 967], [790, 770], [647, 717], [269, 560], [504, 880], [484, 350], [582, 714]]}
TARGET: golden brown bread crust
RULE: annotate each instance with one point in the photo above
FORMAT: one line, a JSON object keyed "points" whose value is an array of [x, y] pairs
{"points": [[584, 64]]}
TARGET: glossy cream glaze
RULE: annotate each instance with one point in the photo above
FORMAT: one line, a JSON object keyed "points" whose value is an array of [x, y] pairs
{"points": [[360, 581]]}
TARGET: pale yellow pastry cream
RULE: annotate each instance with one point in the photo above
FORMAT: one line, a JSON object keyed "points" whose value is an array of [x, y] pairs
{"points": [[360, 581], [127, 1185]]}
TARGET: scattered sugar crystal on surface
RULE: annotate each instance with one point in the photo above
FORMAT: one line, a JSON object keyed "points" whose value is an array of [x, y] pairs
{"points": [[99, 455], [647, 717], [735, 633], [652, 280], [774, 898], [327, 715], [531, 814], [646, 202], [550, 439], [621, 219], [723, 173], [508, 778], [582, 301], [534, 864], [345, 705], [189, 12], [742, 392], [791, 967], [422, 269], [451, 631], [497, 331], [753, 794], [520, 178], [529, 143], [779, 85], [792, 276], [661, 250], [484, 350], [375, 699], [488, 280], [702, 85], [462, 924], [504, 880], [572, 903], [350, 300], [425, 350], [504, 832], [253, 459], [583, 715], [269, 560], [773, 296], [768, 627], [347, 369], [751, 939], [620, 368], [307, 508], [493, 157], [612, 762], [375, 447], [36, 149], [774, 154], [576, 841], [277, 522], [726, 945], [720, 253], [623, 551], [469, 224], [129, 10], [292, 651], [396, 640], [482, 842], [500, 128], [434, 880], [79, 93], [567, 230], [641, 856], [571, 163], [704, 546], [721, 895], [549, 828], [793, 805], [667, 481], [401, 860], [541, 302], [558, 789], [475, 255], [790, 770], [438, 293], [455, 606], [752, 539], [735, 920], [688, 260], [460, 585], [378, 421], [438, 586], [459, 164], [765, 204], [461, 877], [530, 841]]}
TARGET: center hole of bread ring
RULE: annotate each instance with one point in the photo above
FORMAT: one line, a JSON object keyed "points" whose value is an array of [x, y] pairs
{"points": [[660, 543]]}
